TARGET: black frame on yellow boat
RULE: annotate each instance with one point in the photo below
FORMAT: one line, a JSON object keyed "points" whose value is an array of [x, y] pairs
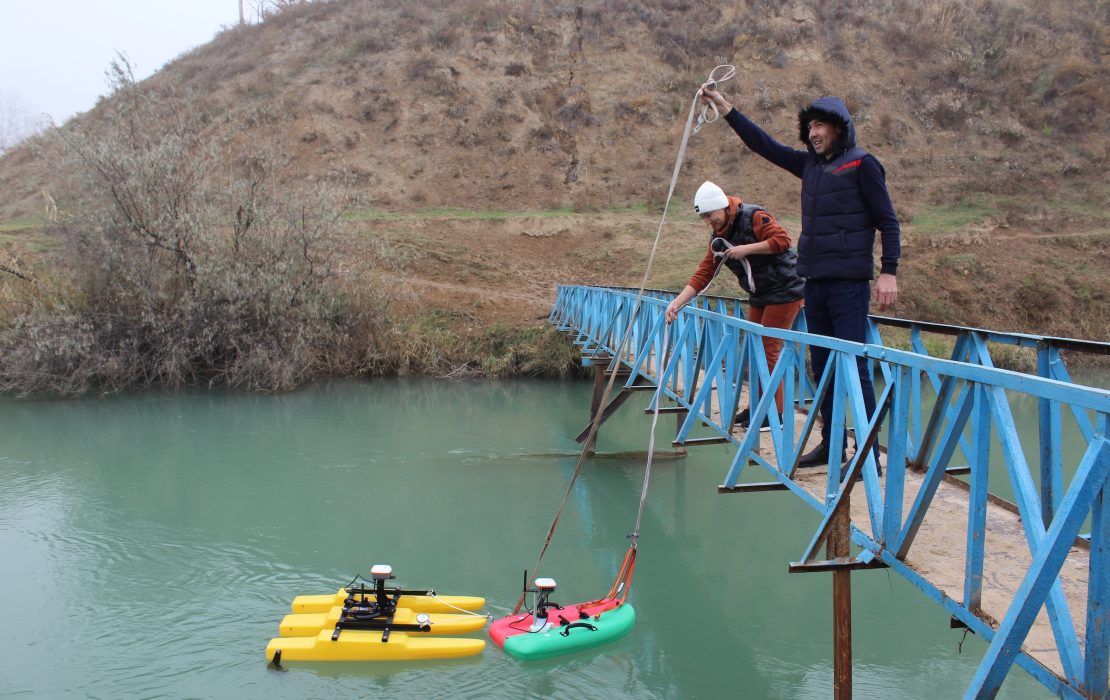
{"points": [[368, 615]]}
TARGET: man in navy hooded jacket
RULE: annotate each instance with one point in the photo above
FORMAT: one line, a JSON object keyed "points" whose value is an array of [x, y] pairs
{"points": [[844, 201]]}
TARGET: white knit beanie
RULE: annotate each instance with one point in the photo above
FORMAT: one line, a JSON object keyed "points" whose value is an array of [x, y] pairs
{"points": [[709, 198]]}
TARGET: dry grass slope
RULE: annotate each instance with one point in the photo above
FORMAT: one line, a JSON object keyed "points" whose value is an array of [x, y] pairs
{"points": [[988, 117]]}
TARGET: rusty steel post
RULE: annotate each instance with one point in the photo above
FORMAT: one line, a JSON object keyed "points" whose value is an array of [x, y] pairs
{"points": [[679, 419], [837, 547], [595, 403]]}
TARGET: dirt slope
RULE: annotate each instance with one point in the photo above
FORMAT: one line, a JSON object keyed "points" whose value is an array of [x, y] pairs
{"points": [[990, 118]]}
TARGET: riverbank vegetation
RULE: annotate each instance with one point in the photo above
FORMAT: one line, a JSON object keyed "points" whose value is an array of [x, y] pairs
{"points": [[368, 188], [171, 267]]}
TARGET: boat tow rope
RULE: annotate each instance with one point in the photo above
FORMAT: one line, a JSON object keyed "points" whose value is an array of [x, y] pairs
{"points": [[625, 575], [635, 536], [432, 594]]}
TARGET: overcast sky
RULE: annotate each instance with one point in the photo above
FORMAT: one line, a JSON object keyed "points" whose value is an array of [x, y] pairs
{"points": [[53, 53]]}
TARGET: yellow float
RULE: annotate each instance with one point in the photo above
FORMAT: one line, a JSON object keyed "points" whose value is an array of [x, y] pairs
{"points": [[375, 623]]}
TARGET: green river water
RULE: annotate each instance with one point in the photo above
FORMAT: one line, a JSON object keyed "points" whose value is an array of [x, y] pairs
{"points": [[152, 543]]}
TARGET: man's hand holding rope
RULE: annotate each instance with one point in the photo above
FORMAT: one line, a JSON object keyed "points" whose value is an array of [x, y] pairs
{"points": [[710, 96]]}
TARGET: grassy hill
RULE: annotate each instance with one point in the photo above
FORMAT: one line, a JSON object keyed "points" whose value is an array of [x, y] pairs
{"points": [[494, 149]]}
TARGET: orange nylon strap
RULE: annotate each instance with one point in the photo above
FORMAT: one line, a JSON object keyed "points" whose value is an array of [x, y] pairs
{"points": [[621, 584]]}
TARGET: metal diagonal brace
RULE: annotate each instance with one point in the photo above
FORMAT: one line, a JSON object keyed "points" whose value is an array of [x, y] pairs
{"points": [[751, 438], [642, 356], [865, 454], [1025, 493], [937, 464], [1050, 556], [642, 384], [701, 400], [1096, 660], [811, 419], [858, 460]]}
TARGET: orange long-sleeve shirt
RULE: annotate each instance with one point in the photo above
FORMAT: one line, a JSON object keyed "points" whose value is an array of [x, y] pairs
{"points": [[763, 225]]}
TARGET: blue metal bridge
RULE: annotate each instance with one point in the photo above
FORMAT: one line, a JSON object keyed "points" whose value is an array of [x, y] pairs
{"points": [[1020, 554]]}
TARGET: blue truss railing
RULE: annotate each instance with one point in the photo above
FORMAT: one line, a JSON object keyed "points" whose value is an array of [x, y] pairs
{"points": [[929, 409]]}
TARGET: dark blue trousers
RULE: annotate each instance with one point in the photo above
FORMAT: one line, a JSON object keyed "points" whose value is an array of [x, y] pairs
{"points": [[838, 309]]}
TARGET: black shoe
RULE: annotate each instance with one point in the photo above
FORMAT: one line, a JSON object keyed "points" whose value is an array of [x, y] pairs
{"points": [[744, 418], [817, 457]]}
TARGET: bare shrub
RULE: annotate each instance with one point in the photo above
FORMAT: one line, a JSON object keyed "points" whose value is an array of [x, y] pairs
{"points": [[378, 105], [766, 99], [892, 130], [178, 268], [835, 44], [544, 139], [1011, 132], [369, 44], [458, 112], [575, 116], [496, 116], [947, 110], [445, 38], [441, 80], [471, 139], [283, 11], [421, 68], [503, 95]]}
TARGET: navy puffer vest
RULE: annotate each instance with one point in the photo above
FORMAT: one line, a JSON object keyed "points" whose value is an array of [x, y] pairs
{"points": [[839, 228], [775, 276]]}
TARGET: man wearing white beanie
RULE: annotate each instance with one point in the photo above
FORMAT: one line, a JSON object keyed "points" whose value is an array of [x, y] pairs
{"points": [[757, 249]]}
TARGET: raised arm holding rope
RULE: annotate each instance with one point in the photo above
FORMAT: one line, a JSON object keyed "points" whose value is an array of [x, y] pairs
{"points": [[844, 202]]}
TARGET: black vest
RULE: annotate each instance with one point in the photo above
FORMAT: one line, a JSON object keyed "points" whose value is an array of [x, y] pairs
{"points": [[775, 276], [838, 231]]}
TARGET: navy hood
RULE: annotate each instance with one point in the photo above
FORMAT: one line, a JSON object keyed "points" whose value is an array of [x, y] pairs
{"points": [[830, 109]]}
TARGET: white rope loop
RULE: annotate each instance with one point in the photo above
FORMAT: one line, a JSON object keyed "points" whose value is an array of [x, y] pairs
{"points": [[722, 255], [711, 84]]}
